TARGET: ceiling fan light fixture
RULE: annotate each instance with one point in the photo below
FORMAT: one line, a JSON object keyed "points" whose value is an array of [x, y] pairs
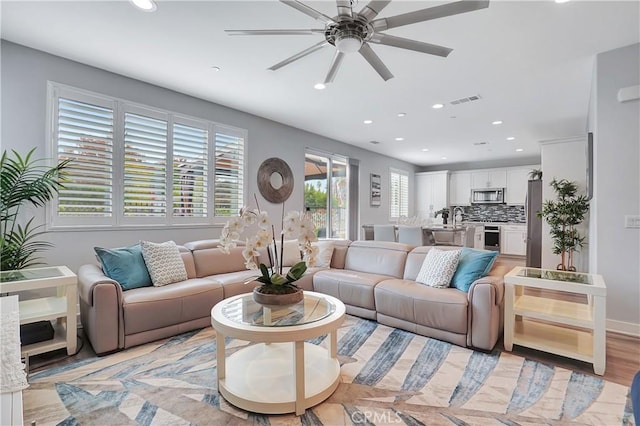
{"points": [[348, 43]]}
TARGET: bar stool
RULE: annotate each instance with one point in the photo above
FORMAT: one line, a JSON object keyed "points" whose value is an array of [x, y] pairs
{"points": [[384, 233]]}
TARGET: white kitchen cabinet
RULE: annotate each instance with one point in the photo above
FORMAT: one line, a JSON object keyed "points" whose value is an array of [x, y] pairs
{"points": [[460, 189], [517, 179], [432, 192], [478, 242], [490, 178], [513, 240]]}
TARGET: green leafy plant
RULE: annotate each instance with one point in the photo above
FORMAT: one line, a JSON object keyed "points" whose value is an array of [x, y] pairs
{"points": [[24, 181], [563, 215], [535, 174]]}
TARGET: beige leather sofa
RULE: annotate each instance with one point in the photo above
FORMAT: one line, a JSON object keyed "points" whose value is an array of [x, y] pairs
{"points": [[374, 279]]}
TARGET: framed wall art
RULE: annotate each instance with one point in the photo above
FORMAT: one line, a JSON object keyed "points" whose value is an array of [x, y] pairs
{"points": [[376, 184]]}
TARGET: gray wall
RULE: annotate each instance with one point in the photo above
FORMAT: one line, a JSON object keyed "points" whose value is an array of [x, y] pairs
{"points": [[24, 80], [614, 249]]}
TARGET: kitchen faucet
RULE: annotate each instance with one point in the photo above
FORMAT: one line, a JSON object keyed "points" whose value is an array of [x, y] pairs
{"points": [[455, 211]]}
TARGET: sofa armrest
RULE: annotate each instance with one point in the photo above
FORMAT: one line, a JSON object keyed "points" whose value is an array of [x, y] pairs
{"points": [[100, 309], [485, 312]]}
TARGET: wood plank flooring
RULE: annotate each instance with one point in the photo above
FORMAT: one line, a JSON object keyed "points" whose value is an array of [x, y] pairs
{"points": [[623, 353]]}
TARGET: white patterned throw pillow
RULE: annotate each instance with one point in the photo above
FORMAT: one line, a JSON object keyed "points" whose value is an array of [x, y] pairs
{"points": [[164, 262], [438, 267]]}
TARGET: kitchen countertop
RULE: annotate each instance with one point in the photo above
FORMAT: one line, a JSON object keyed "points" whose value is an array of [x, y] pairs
{"points": [[494, 223]]}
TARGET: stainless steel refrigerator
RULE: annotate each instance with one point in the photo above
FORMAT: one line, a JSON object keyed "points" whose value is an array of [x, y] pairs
{"points": [[534, 224]]}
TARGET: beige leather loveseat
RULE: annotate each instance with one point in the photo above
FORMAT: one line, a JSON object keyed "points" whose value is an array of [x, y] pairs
{"points": [[374, 279]]}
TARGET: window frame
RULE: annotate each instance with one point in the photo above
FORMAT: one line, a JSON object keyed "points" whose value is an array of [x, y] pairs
{"points": [[120, 107], [401, 173]]}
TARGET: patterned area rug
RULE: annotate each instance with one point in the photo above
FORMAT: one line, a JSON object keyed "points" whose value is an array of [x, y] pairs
{"points": [[389, 377]]}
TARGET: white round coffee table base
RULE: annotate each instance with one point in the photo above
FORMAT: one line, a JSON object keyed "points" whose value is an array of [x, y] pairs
{"points": [[264, 377]]}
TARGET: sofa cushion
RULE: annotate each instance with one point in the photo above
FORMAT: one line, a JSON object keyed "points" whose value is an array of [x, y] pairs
{"points": [[438, 268], [377, 257], [156, 307], [164, 262], [324, 253], [440, 308], [473, 264], [125, 265], [352, 287]]}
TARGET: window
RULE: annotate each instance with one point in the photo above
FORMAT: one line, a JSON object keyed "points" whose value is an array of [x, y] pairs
{"points": [[134, 165], [399, 193]]}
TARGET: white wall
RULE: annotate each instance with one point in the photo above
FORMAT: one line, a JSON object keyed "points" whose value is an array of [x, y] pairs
{"points": [[616, 129], [563, 159], [24, 80]]}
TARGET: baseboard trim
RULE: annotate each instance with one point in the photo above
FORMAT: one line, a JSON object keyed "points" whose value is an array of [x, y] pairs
{"points": [[622, 327]]}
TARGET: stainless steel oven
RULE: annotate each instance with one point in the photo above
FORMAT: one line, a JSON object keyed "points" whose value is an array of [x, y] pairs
{"points": [[492, 237]]}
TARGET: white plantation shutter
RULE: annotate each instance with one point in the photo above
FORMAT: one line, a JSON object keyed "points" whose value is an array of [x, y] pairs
{"points": [[145, 166], [84, 134], [228, 195], [134, 165], [399, 194], [190, 171]]}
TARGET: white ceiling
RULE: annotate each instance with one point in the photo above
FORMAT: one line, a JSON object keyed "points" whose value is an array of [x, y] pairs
{"points": [[530, 61]]}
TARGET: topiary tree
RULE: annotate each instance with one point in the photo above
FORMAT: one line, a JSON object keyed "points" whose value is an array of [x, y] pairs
{"points": [[563, 215], [23, 181]]}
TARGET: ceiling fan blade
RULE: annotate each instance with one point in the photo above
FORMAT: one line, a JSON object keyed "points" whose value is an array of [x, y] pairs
{"points": [[344, 8], [273, 32], [299, 55], [372, 9], [375, 62], [427, 14], [337, 60], [308, 11], [405, 43]]}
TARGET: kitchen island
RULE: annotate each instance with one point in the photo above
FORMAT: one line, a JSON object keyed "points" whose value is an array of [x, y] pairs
{"points": [[431, 234]]}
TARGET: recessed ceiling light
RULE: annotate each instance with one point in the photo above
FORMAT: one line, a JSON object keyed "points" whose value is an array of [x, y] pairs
{"points": [[146, 5], [437, 106], [562, 1], [368, 121], [497, 122], [443, 158], [402, 114], [519, 150], [399, 139], [319, 86], [425, 149], [216, 69], [510, 138]]}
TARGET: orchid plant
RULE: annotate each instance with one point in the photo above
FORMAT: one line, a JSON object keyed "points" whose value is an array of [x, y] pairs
{"points": [[295, 225]]}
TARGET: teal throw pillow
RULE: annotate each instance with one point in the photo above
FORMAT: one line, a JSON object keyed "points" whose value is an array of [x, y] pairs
{"points": [[125, 265], [473, 264]]}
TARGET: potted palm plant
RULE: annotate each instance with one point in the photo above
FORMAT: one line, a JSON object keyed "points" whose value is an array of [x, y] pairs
{"points": [[24, 181], [563, 216]]}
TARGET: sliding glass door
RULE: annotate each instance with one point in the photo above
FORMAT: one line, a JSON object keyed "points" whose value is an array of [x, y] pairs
{"points": [[326, 194]]}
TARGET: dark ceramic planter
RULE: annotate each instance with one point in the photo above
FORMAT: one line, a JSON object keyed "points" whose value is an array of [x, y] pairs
{"points": [[277, 299]]}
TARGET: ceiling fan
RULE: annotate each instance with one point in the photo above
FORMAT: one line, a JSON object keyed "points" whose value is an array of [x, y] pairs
{"points": [[351, 32]]}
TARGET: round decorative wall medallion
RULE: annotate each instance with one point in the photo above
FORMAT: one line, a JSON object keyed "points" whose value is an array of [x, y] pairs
{"points": [[275, 180]]}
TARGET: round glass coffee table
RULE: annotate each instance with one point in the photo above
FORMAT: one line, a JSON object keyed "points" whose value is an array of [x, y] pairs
{"points": [[281, 373]]}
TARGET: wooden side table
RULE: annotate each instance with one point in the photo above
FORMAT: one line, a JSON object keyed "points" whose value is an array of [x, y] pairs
{"points": [[570, 329], [62, 307]]}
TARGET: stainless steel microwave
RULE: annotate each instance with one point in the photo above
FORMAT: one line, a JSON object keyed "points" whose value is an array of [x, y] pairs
{"points": [[487, 196]]}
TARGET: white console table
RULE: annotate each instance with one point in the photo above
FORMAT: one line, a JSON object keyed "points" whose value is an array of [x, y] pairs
{"points": [[61, 307]]}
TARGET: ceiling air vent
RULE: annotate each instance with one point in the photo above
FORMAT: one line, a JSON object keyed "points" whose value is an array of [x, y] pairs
{"points": [[465, 100]]}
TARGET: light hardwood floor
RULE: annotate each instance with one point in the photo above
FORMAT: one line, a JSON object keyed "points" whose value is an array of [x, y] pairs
{"points": [[623, 352]]}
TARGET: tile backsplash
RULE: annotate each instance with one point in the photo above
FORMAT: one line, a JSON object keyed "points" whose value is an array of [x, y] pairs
{"points": [[493, 213]]}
